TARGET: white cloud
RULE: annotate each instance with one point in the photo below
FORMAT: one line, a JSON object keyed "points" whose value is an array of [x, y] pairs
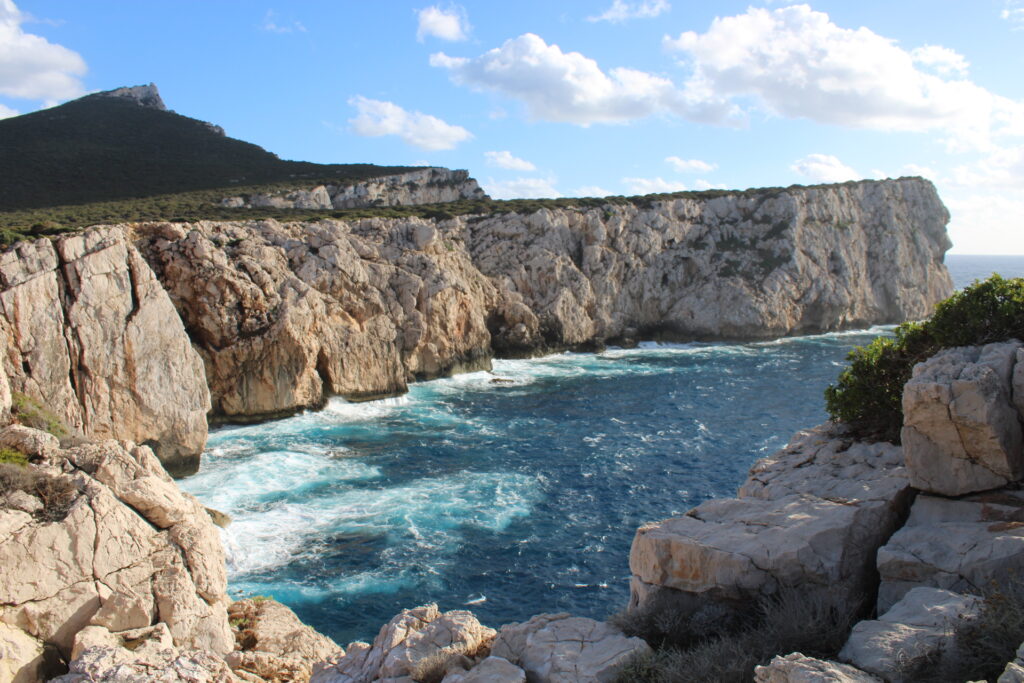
{"points": [[1001, 169], [824, 168], [504, 159], [591, 191], [272, 24], [570, 87], [6, 112], [985, 223], [944, 61], [522, 188], [1013, 12], [705, 185], [690, 165], [33, 68], [795, 62], [447, 24], [621, 11], [652, 185], [427, 132]]}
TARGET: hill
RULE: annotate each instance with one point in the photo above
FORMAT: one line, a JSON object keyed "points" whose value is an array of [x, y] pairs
{"points": [[125, 144]]}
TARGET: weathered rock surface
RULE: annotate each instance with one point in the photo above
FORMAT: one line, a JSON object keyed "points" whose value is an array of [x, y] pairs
{"points": [[22, 658], [559, 648], [919, 625], [274, 644], [116, 561], [491, 670], [91, 334], [797, 668], [425, 186], [800, 520], [403, 643], [962, 431], [962, 545], [287, 314], [1014, 671]]}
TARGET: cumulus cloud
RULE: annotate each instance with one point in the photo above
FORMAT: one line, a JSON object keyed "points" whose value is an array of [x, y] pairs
{"points": [[522, 188], [6, 112], [447, 24], [376, 118], [621, 11], [652, 185], [1001, 169], [985, 223], [690, 165], [705, 185], [824, 168], [570, 87], [33, 68], [504, 159], [795, 62], [272, 24]]}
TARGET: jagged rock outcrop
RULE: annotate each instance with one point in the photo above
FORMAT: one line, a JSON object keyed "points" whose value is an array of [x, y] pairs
{"points": [[115, 546], [426, 186], [411, 638], [962, 424], [92, 335], [813, 515], [285, 314], [143, 95]]}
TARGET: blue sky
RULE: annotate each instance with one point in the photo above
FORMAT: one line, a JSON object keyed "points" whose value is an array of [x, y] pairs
{"points": [[577, 97]]}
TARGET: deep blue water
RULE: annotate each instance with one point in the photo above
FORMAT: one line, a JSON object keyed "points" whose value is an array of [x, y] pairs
{"points": [[512, 498]]}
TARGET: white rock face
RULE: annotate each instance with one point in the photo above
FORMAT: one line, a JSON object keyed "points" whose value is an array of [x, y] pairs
{"points": [[962, 432], [802, 519], [21, 656], [113, 564], [918, 625], [796, 668], [1014, 671], [410, 637], [91, 334], [426, 186], [961, 545], [285, 315], [559, 648]]}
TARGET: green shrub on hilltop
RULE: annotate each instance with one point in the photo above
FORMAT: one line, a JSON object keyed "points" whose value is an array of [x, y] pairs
{"points": [[868, 394]]}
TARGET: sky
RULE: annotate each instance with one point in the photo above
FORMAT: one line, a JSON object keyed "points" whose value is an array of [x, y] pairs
{"points": [[578, 97]]}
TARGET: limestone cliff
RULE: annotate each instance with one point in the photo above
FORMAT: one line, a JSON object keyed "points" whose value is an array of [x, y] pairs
{"points": [[285, 314], [88, 331], [426, 186]]}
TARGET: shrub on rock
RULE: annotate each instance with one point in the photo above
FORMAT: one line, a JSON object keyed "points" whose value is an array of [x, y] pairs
{"points": [[868, 393]]}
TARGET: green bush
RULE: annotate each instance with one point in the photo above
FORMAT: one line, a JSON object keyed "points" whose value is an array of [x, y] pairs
{"points": [[12, 456], [31, 413], [868, 394]]}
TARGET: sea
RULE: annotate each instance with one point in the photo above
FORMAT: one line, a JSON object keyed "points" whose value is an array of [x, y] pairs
{"points": [[510, 492]]}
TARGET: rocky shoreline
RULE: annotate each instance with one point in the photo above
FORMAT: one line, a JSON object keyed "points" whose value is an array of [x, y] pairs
{"points": [[142, 331]]}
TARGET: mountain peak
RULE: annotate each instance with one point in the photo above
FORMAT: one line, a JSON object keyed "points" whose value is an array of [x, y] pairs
{"points": [[143, 95]]}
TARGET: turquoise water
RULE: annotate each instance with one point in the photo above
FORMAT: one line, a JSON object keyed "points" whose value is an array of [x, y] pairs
{"points": [[511, 497]]}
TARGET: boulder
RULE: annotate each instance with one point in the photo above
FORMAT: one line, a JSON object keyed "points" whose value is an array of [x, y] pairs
{"points": [[491, 670], [962, 545], [405, 642], [813, 515], [1014, 671], [961, 429], [919, 625], [797, 668], [559, 648], [268, 626]]}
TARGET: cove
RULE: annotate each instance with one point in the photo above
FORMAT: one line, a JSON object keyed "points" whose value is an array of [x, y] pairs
{"points": [[511, 492]]}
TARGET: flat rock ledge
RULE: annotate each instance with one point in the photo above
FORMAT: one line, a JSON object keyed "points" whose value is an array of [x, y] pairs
{"points": [[812, 515]]}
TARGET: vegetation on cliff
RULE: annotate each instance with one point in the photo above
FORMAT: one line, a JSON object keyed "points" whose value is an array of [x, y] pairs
{"points": [[101, 148], [868, 393]]}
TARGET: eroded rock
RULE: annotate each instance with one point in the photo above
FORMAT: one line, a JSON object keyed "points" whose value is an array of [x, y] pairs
{"points": [[798, 668]]}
